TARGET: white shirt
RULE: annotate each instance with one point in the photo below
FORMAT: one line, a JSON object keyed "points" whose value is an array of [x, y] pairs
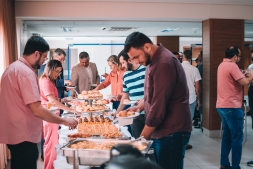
{"points": [[250, 66], [88, 69], [192, 76]]}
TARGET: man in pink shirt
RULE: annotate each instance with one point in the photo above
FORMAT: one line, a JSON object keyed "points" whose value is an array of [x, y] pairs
{"points": [[229, 102], [21, 112]]}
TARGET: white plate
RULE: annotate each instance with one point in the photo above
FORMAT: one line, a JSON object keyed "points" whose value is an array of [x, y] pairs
{"points": [[53, 108], [130, 103], [71, 87], [129, 117]]}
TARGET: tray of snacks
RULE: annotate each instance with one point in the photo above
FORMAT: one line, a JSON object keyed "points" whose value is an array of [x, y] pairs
{"points": [[95, 152], [100, 102], [90, 95], [90, 108], [127, 114]]}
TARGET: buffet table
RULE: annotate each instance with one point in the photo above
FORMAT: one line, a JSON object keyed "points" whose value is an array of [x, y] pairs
{"points": [[61, 162], [5, 155]]}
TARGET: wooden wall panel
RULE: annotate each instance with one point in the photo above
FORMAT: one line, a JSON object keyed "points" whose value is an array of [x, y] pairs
{"points": [[246, 56], [169, 42], [218, 34], [206, 39]]}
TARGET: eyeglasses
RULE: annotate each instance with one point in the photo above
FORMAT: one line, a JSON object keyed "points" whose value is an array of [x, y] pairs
{"points": [[61, 60], [58, 72]]}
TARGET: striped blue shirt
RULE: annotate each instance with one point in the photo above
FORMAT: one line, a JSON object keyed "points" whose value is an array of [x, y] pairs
{"points": [[133, 83]]}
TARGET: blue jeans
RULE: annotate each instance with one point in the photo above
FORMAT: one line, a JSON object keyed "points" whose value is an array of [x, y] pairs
{"points": [[192, 108], [232, 138], [170, 150]]}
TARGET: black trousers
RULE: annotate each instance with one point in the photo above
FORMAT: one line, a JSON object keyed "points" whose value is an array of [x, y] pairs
{"points": [[138, 125], [24, 155], [250, 96]]}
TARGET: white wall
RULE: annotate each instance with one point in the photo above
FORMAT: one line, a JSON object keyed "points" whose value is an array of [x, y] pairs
{"points": [[22, 36], [98, 53]]}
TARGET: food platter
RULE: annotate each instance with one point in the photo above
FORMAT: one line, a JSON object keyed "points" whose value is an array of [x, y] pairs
{"points": [[136, 114], [95, 152]]}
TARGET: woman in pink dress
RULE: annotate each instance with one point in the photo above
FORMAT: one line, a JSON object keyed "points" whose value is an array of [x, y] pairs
{"points": [[49, 94]]}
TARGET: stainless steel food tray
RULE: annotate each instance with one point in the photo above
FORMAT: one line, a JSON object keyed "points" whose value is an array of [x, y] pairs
{"points": [[94, 157]]}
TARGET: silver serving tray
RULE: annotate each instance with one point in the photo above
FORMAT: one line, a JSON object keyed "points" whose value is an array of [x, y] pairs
{"points": [[94, 157]]}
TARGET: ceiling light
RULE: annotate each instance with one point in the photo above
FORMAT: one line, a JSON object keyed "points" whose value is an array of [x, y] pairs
{"points": [[194, 29], [169, 29], [119, 29], [66, 29]]}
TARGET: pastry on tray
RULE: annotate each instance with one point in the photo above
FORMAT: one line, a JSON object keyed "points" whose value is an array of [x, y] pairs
{"points": [[92, 94]]}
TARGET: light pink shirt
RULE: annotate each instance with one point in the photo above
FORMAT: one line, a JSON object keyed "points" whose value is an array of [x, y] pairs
{"points": [[19, 87], [229, 89]]}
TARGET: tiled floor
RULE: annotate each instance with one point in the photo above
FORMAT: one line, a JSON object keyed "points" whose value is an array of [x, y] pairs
{"points": [[206, 151]]}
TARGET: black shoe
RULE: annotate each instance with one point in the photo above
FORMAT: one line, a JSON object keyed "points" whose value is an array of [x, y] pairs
{"points": [[250, 163], [227, 167], [188, 147]]}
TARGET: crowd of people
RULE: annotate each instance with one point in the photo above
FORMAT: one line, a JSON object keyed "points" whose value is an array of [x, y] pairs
{"points": [[167, 88]]}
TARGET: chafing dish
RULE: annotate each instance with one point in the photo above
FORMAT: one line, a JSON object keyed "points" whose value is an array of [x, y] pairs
{"points": [[95, 157]]}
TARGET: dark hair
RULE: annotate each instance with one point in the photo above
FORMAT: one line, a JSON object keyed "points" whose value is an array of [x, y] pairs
{"points": [[51, 66], [196, 60], [231, 52], [84, 55], [136, 40], [175, 53], [35, 43], [188, 54], [59, 52], [124, 55]]}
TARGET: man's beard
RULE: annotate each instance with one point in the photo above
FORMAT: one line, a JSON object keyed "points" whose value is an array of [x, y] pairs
{"points": [[129, 66], [148, 60], [37, 64]]}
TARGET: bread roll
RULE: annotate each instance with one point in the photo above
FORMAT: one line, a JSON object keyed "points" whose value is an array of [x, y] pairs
{"points": [[123, 114], [126, 101]]}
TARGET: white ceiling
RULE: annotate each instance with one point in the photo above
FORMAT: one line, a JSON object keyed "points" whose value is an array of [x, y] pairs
{"points": [[237, 2], [93, 28]]}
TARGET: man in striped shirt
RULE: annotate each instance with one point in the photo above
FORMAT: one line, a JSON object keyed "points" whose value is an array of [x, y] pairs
{"points": [[133, 89]]}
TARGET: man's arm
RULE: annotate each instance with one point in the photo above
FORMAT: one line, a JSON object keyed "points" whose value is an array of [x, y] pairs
{"points": [[162, 90], [246, 80], [139, 107], [121, 105], [45, 115], [104, 84]]}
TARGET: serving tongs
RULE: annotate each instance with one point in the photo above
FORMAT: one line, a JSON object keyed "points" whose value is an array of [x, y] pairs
{"points": [[70, 142], [138, 139]]}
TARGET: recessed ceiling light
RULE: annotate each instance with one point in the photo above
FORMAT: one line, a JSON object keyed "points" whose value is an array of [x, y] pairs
{"points": [[169, 29], [66, 29]]}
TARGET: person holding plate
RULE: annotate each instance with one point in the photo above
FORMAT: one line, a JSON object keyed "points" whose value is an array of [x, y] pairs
{"points": [[114, 79], [49, 94], [84, 75], [133, 89]]}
